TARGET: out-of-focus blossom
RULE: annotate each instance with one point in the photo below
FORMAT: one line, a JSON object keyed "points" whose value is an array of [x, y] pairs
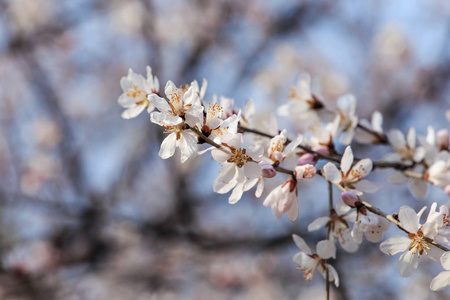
{"points": [[347, 118], [309, 262], [376, 135], [442, 280]]}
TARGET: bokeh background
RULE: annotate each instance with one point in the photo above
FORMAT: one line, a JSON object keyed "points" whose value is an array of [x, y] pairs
{"points": [[89, 211]]}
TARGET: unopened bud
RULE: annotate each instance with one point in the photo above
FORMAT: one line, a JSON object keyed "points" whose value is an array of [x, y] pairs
{"points": [[267, 169], [325, 150], [350, 199], [442, 139], [305, 171], [307, 159]]}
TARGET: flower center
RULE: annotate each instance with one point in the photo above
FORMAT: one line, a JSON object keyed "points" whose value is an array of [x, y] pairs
{"points": [[419, 243], [239, 157]]}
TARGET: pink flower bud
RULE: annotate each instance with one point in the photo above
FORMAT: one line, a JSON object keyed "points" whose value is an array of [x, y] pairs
{"points": [[350, 199], [267, 169], [305, 171], [442, 139], [323, 150], [307, 159]]}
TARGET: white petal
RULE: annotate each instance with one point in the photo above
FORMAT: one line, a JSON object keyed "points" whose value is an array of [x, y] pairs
{"points": [[133, 112], [220, 155], [293, 145], [303, 259], [292, 213], [445, 260], [407, 263], [168, 146], [236, 194], [396, 138], [332, 173], [347, 241], [301, 244], [333, 275], [364, 166], [411, 138], [326, 249], [366, 186], [397, 178], [188, 145], [163, 119], [160, 103], [318, 223], [259, 188], [395, 245], [252, 170], [347, 160], [418, 188], [377, 121], [272, 198], [441, 281], [408, 218]]}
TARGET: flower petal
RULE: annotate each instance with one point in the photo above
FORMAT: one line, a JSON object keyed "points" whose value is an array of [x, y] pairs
{"points": [[326, 249], [301, 244], [292, 213], [168, 146], [132, 112], [408, 218], [318, 223], [365, 186], [252, 170], [418, 188], [445, 260], [407, 263], [440, 282], [332, 173], [188, 145], [347, 160], [395, 245]]}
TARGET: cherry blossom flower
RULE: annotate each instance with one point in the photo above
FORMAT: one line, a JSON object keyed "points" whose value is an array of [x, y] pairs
{"points": [[239, 165], [442, 218], [181, 111], [278, 151], [365, 222], [347, 118], [405, 149], [135, 92], [364, 137], [442, 280], [339, 229], [309, 262], [349, 177], [418, 242], [283, 199]]}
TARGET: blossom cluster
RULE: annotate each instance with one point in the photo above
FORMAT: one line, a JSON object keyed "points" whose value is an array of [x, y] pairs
{"points": [[252, 150]]}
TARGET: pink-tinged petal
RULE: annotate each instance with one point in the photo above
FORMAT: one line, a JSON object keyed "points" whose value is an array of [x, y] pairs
{"points": [[318, 223], [440, 282], [300, 242], [332, 173], [168, 146], [133, 112], [236, 194], [397, 178], [363, 167], [326, 249], [332, 274], [273, 196], [395, 245], [408, 218], [259, 188], [188, 145], [347, 160], [396, 138], [411, 138], [365, 186], [292, 213], [407, 263], [164, 119], [418, 188], [160, 103], [445, 260], [220, 155]]}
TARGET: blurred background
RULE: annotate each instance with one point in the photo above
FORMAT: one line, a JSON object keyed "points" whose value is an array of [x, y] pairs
{"points": [[89, 211]]}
